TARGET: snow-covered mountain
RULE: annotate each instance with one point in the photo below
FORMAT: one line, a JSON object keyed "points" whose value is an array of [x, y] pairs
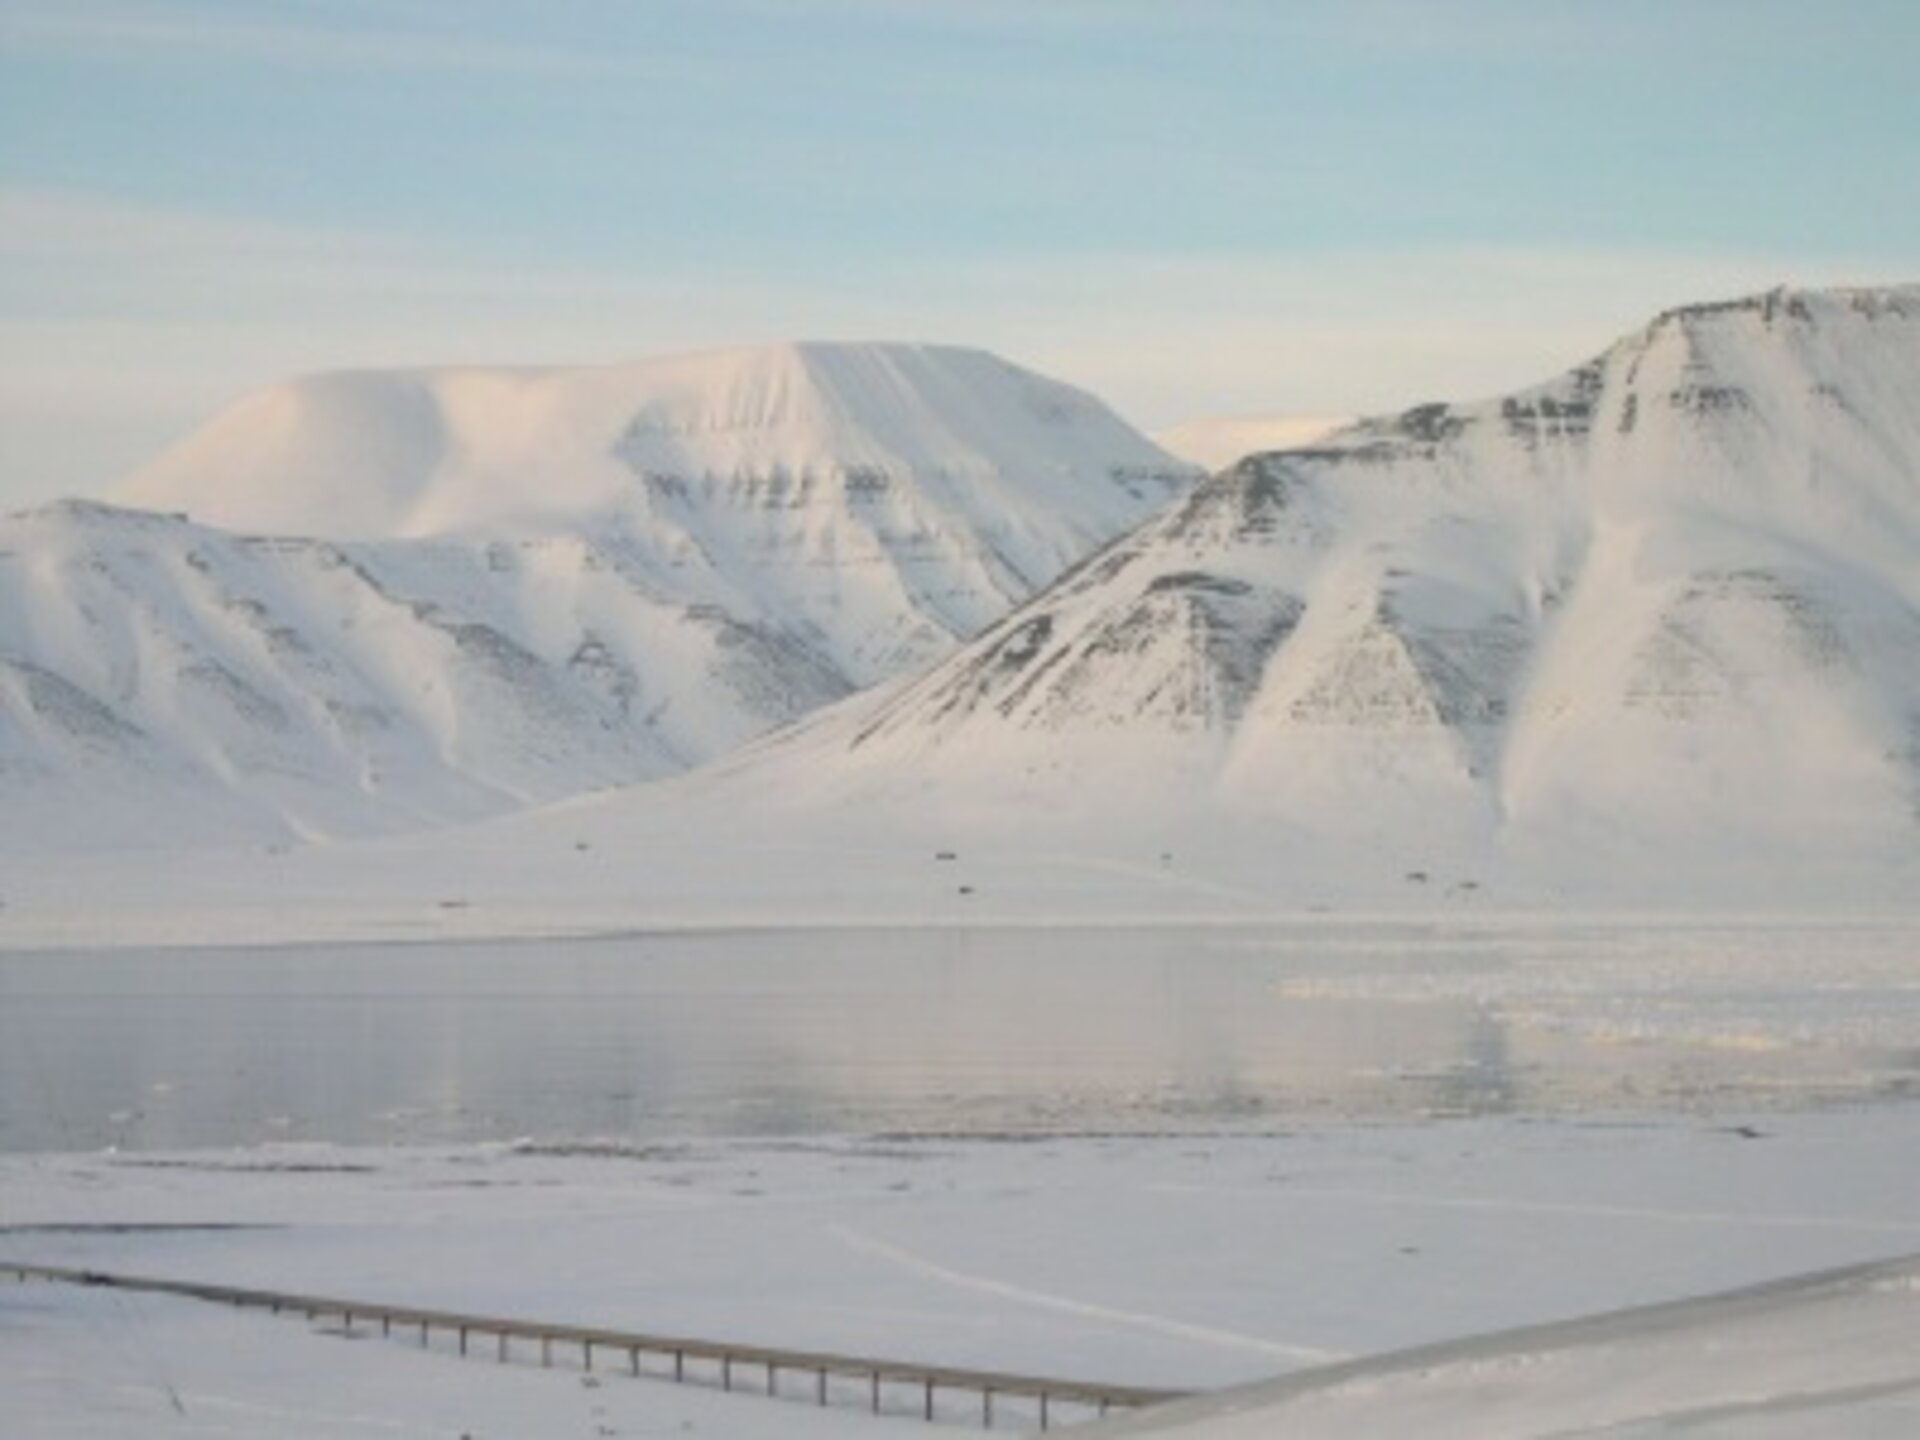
{"points": [[1664, 609], [901, 450], [484, 589], [1218, 443]]}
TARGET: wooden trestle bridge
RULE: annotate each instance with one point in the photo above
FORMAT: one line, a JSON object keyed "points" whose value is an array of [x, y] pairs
{"points": [[894, 1387]]}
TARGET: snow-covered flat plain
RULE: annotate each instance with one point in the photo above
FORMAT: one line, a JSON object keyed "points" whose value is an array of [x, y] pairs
{"points": [[1185, 1260]]}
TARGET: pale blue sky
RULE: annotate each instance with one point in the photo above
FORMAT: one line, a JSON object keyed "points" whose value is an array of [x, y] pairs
{"points": [[1205, 207]]}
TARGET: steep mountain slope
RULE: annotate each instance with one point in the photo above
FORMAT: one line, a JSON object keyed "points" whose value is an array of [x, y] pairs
{"points": [[563, 580], [1664, 610]]}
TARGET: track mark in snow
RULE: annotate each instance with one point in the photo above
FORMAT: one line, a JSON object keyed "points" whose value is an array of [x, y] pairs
{"points": [[1040, 1299], [1552, 1207]]}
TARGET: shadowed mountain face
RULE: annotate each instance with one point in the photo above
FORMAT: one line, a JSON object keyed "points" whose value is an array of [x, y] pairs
{"points": [[529, 583], [1674, 592]]}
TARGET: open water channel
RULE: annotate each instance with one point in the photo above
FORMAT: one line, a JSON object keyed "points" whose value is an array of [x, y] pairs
{"points": [[630, 1038]]}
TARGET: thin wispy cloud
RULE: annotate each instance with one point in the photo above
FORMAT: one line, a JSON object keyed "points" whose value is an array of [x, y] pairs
{"points": [[1361, 330], [39, 223], [1235, 206], [184, 310], [359, 38]]}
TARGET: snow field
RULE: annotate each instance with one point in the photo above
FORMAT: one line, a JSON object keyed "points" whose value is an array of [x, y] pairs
{"points": [[1192, 1260]]}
